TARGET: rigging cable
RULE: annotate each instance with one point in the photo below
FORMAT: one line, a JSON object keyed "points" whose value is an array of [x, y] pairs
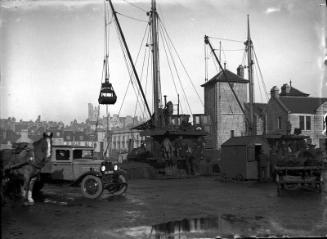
{"points": [[128, 67], [226, 39], [130, 75], [142, 69], [133, 18], [180, 60], [261, 76], [171, 72], [256, 71], [134, 5], [147, 69], [230, 50], [175, 67]]}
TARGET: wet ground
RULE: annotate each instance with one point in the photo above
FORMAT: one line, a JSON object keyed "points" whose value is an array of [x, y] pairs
{"points": [[201, 207]]}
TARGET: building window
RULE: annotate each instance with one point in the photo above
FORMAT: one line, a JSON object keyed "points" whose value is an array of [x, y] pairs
{"points": [[308, 122], [197, 119], [279, 122], [301, 122]]}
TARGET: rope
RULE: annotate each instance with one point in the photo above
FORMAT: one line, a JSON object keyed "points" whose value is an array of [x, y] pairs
{"points": [[179, 58], [171, 72], [256, 71], [142, 69], [226, 39], [180, 82], [134, 5], [147, 71], [230, 50], [133, 18], [261, 76], [128, 68]]}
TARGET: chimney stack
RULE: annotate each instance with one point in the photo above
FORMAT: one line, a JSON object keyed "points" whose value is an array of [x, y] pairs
{"points": [[285, 89], [274, 92], [240, 71]]}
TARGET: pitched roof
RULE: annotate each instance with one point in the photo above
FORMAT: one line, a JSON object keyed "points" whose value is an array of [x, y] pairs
{"points": [[259, 108], [293, 92], [303, 105], [230, 77]]}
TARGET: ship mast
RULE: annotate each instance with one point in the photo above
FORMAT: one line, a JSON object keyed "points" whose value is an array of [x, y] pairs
{"points": [[249, 46], [155, 61]]}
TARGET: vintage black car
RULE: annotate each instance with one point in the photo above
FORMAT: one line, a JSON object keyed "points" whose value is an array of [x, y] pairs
{"points": [[78, 165]]}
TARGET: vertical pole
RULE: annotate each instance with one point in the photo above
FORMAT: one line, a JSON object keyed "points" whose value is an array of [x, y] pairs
{"points": [[106, 22], [250, 75], [178, 104], [107, 132], [220, 51], [205, 63], [155, 61]]}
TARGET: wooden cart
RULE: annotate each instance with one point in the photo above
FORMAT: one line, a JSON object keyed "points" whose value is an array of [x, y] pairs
{"points": [[293, 177]]}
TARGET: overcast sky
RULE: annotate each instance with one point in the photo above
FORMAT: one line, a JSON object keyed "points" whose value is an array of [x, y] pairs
{"points": [[52, 50]]}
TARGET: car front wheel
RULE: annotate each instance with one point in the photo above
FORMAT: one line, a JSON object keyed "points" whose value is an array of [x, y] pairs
{"points": [[91, 187]]}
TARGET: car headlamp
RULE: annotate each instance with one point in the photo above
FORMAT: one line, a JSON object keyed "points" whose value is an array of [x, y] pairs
{"points": [[115, 167], [103, 168]]}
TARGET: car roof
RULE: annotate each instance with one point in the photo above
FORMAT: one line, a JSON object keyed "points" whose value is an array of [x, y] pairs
{"points": [[72, 147]]}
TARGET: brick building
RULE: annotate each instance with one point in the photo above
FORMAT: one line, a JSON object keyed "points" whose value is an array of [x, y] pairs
{"points": [[292, 111], [221, 105]]}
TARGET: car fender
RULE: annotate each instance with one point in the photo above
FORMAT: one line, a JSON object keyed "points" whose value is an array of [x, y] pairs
{"points": [[80, 178], [122, 171]]}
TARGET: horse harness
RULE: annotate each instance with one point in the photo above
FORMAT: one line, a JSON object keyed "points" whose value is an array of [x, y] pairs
{"points": [[23, 156]]}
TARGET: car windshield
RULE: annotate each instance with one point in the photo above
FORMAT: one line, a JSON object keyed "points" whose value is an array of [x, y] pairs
{"points": [[82, 154]]}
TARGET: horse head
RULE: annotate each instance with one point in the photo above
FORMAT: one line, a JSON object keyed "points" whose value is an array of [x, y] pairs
{"points": [[47, 136]]}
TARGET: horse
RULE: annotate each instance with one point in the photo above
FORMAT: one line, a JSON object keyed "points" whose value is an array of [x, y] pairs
{"points": [[26, 162]]}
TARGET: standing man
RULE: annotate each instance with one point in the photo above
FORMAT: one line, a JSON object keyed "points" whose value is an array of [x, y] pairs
{"points": [[263, 166]]}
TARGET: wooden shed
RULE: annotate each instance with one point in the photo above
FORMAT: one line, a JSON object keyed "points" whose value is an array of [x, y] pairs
{"points": [[239, 156]]}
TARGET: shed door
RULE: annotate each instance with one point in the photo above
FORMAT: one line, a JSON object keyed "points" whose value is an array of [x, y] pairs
{"points": [[252, 163]]}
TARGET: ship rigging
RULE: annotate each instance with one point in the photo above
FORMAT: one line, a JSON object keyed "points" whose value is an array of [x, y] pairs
{"points": [[164, 130]]}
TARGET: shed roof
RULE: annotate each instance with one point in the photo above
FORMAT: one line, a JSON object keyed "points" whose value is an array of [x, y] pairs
{"points": [[304, 105], [244, 140], [230, 77]]}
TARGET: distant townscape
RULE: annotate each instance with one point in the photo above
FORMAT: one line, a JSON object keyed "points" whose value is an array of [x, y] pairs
{"points": [[90, 133]]}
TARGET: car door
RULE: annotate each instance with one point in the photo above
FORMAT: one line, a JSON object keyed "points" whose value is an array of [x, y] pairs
{"points": [[62, 165], [83, 162]]}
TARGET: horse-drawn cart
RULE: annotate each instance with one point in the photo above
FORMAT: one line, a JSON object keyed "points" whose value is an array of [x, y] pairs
{"points": [[293, 177]]}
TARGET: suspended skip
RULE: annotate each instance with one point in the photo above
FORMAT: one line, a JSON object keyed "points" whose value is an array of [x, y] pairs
{"points": [[107, 94]]}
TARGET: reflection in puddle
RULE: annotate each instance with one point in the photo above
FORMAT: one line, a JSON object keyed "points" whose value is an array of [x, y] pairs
{"points": [[209, 227], [186, 225], [175, 229]]}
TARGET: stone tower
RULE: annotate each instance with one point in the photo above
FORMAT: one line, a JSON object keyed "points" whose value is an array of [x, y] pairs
{"points": [[221, 105]]}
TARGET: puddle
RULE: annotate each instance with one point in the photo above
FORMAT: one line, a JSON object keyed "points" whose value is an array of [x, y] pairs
{"points": [[50, 201], [225, 225]]}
